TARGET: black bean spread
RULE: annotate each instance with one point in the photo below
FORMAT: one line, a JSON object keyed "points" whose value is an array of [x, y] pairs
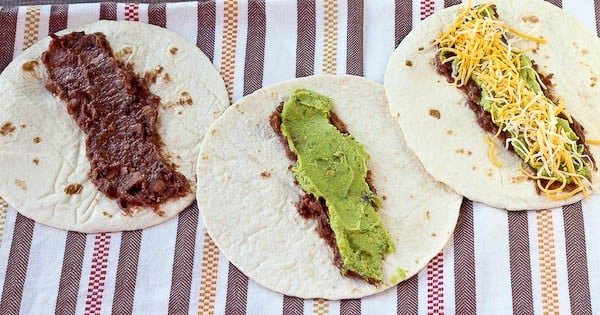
{"points": [[115, 109]]}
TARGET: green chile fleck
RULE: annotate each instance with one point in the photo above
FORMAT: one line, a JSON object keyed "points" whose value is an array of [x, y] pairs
{"points": [[333, 166]]}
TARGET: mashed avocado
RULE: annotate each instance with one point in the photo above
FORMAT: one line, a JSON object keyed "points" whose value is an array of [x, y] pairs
{"points": [[333, 166]]}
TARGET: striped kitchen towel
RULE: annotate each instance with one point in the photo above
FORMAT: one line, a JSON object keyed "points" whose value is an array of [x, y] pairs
{"points": [[543, 262]]}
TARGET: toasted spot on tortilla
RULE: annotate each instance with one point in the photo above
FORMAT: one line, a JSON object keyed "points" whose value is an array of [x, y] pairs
{"points": [[21, 184], [185, 98], [265, 174], [37, 140], [518, 179], [36, 161], [7, 128], [433, 234], [173, 50], [160, 213], [384, 197], [205, 157], [167, 77], [585, 51], [213, 132], [489, 172], [106, 214], [409, 63], [23, 125], [30, 65], [594, 81], [450, 132], [469, 152], [179, 113], [459, 151], [421, 48], [427, 214], [435, 113], [73, 189], [474, 168], [530, 18], [124, 52]]}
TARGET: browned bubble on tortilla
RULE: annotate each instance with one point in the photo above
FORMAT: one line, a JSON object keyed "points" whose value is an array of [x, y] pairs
{"points": [[408, 63], [421, 48], [30, 65], [185, 98], [36, 161], [166, 77], [7, 128], [265, 174], [427, 215], [152, 75], [73, 189], [118, 113], [106, 214], [21, 184], [37, 140], [173, 50], [310, 207], [593, 81], [125, 51], [530, 18], [435, 113]]}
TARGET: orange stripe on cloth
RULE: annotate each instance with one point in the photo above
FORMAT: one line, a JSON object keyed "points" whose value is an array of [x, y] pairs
{"points": [[32, 25], [210, 253], [208, 282], [3, 207], [320, 307], [548, 281], [330, 37]]}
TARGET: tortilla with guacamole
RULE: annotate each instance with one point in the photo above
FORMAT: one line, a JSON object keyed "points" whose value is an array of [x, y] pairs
{"points": [[345, 158], [507, 96]]}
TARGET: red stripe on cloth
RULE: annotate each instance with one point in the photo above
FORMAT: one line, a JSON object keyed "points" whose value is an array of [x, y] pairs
{"points": [[465, 293], [59, 14], [129, 255], [402, 20], [16, 269], [183, 260], [407, 296], [132, 11], [427, 8], [306, 37], [350, 307], [8, 31], [108, 11], [354, 37], [435, 285], [449, 3], [520, 262], [577, 264], [597, 14], [557, 3], [237, 291], [93, 302], [157, 14], [70, 275]]}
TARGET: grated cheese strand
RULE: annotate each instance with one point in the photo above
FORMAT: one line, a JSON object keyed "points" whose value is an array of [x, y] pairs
{"points": [[481, 48]]}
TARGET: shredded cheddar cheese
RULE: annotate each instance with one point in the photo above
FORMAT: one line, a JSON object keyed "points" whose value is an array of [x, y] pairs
{"points": [[482, 48]]}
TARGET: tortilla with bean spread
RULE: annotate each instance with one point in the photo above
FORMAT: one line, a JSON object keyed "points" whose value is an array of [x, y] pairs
{"points": [[507, 96], [102, 126], [266, 226]]}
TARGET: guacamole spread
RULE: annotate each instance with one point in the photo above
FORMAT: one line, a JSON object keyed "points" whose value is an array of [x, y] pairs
{"points": [[333, 166]]}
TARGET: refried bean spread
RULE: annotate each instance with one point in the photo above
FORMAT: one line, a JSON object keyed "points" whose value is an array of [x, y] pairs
{"points": [[115, 109]]}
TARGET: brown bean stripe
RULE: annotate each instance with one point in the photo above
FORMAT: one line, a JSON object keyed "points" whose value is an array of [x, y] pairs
{"points": [[16, 269], [108, 11], [306, 37], [205, 39], [402, 20], [157, 14], [70, 275], [183, 260], [577, 265], [8, 31], [127, 266], [464, 261], [520, 262], [354, 37], [407, 296]]}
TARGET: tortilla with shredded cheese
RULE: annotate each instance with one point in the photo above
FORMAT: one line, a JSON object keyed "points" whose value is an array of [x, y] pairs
{"points": [[478, 164]]}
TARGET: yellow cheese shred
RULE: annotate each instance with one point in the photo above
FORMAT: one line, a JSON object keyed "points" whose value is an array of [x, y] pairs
{"points": [[482, 47]]}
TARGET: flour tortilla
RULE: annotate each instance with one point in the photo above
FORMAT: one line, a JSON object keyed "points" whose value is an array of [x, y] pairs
{"points": [[247, 196], [453, 148], [37, 191]]}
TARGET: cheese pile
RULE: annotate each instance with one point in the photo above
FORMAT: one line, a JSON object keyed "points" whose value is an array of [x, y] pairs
{"points": [[480, 47]]}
